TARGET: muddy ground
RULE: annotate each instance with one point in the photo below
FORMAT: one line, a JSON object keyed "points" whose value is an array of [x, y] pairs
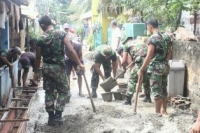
{"points": [[111, 117]]}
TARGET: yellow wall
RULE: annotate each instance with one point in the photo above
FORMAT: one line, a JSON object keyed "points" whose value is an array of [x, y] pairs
{"points": [[94, 10], [105, 23]]}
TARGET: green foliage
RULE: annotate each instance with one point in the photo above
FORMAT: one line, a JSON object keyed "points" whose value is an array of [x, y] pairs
{"points": [[86, 5], [32, 32], [58, 10], [90, 41], [168, 12], [80, 31]]}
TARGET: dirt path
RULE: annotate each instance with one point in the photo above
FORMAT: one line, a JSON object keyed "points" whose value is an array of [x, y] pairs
{"points": [[111, 117]]}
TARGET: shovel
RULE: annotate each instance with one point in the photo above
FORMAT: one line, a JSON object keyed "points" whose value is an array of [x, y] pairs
{"points": [[110, 82], [93, 106], [138, 86]]}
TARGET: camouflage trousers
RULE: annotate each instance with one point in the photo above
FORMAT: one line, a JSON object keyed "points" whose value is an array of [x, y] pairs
{"points": [[158, 79], [134, 78], [95, 75], [54, 79]]}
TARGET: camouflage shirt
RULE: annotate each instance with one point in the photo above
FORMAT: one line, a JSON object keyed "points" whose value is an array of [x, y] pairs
{"points": [[135, 49], [162, 42], [99, 58], [52, 47]]}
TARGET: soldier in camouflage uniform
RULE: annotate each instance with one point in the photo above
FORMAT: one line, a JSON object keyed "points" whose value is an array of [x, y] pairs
{"points": [[138, 50], [7, 57], [51, 48], [159, 52], [103, 54]]}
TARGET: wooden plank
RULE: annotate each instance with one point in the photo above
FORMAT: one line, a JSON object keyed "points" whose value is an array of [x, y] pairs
{"points": [[28, 91], [18, 108], [14, 120], [19, 99]]}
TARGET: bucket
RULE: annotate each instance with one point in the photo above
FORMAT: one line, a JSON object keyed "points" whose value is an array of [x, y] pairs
{"points": [[123, 96], [108, 84], [122, 85], [117, 95], [107, 97], [122, 90]]}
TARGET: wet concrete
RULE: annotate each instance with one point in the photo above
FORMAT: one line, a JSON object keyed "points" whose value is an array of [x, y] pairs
{"points": [[111, 117]]}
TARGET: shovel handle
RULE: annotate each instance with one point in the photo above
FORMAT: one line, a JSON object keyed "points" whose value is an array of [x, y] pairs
{"points": [[138, 86], [126, 69], [92, 102]]}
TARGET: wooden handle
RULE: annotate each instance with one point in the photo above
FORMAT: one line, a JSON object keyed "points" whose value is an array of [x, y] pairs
{"points": [[138, 86], [126, 69], [93, 106]]}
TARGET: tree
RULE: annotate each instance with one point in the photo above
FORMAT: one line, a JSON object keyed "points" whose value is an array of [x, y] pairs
{"points": [[168, 12]]}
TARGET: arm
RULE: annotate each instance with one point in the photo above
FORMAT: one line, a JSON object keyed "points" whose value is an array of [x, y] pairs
{"points": [[196, 126], [97, 69], [151, 49], [118, 42], [19, 77], [114, 66], [71, 53], [24, 76], [169, 54], [4, 59], [125, 58]]}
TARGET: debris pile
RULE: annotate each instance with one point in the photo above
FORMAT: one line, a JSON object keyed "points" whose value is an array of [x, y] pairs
{"points": [[181, 102]]}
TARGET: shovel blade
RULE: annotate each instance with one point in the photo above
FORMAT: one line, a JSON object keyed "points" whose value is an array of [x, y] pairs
{"points": [[108, 84]]}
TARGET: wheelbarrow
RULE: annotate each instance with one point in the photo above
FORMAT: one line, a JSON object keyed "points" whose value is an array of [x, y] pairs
{"points": [[111, 82]]}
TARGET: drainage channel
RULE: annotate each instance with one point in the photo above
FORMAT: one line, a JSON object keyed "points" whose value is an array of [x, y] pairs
{"points": [[13, 119]]}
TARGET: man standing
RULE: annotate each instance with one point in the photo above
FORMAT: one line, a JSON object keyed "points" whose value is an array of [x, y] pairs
{"points": [[51, 48], [7, 58], [70, 64], [159, 52], [102, 55], [138, 50], [116, 36], [26, 60]]}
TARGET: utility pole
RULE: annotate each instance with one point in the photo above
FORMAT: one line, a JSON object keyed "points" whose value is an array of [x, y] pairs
{"points": [[47, 7]]}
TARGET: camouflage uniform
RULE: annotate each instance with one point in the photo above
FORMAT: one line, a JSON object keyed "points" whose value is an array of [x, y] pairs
{"points": [[52, 50], [99, 58], [138, 51], [158, 67]]}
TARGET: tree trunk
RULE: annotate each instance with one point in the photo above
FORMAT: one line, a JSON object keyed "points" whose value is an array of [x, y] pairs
{"points": [[179, 17], [195, 22], [142, 18]]}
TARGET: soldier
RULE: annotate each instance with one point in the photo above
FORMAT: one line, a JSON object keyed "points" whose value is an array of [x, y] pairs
{"points": [[7, 58], [159, 52], [51, 47], [102, 55], [137, 49]]}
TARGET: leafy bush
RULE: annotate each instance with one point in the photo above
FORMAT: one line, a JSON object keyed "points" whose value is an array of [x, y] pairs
{"points": [[90, 41]]}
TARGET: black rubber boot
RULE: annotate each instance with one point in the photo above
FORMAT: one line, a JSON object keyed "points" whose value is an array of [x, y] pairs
{"points": [[147, 98], [94, 94], [51, 117], [57, 119], [127, 100]]}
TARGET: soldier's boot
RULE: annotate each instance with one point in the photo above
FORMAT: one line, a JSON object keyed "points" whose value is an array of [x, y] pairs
{"points": [[147, 98], [51, 117], [94, 94], [127, 100], [57, 119]]}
